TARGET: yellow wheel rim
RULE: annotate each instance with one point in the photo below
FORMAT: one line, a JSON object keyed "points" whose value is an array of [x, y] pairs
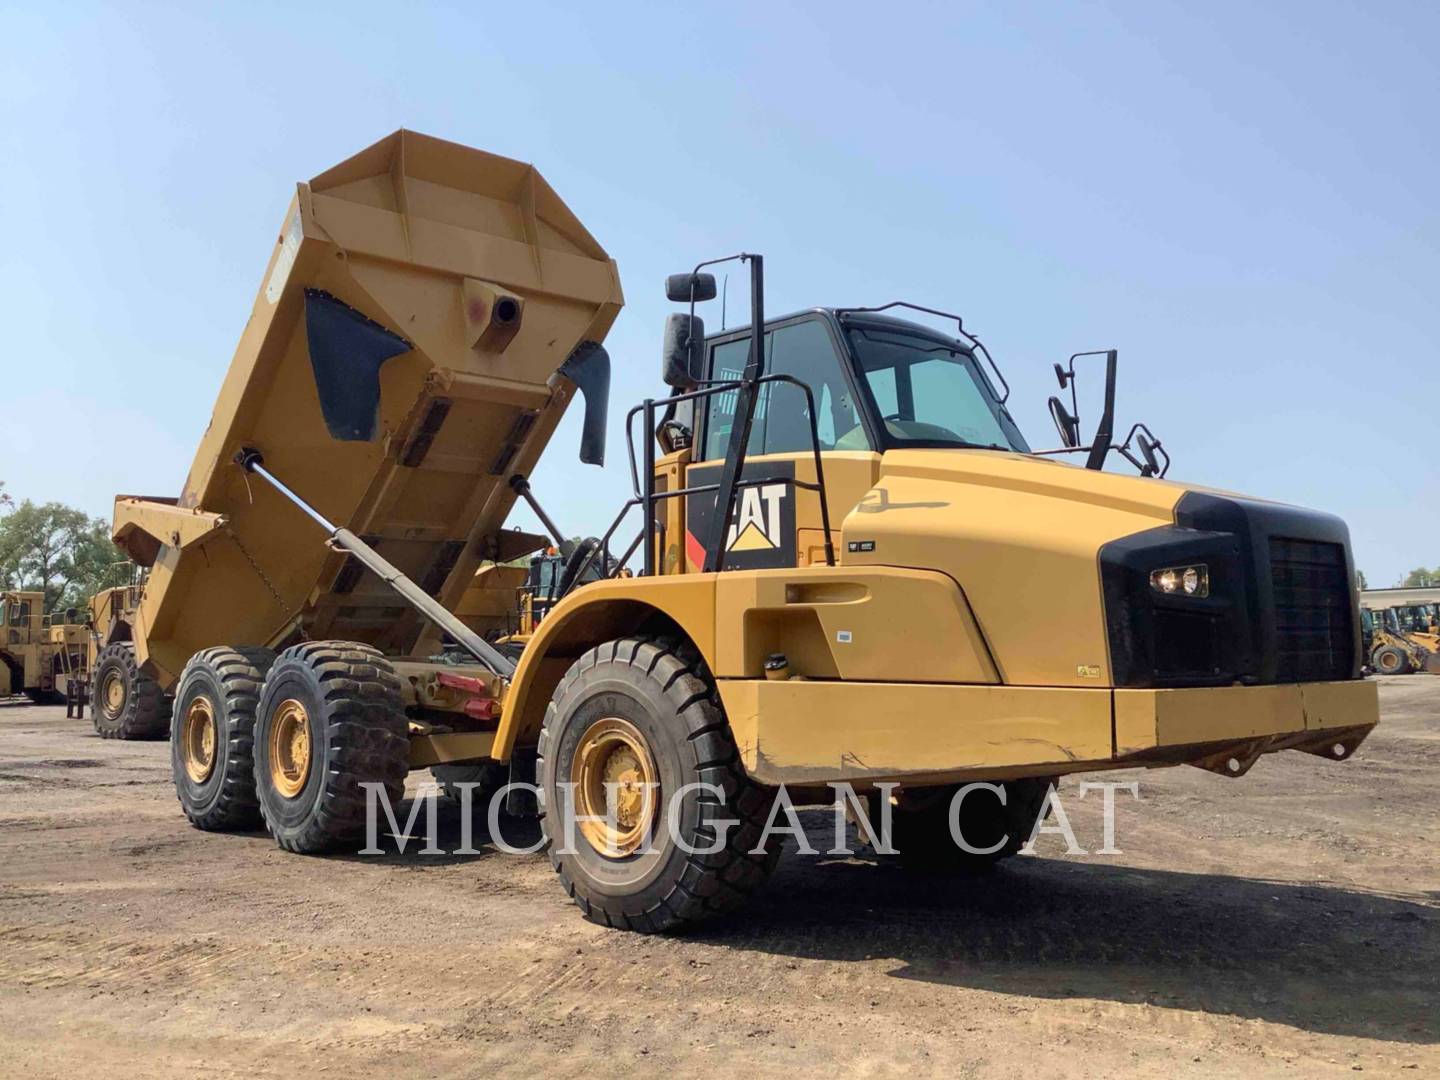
{"points": [[290, 748], [198, 739], [112, 694], [613, 752]]}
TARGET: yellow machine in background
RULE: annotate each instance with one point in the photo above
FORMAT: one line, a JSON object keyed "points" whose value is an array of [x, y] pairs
{"points": [[506, 603], [125, 702], [1421, 623], [38, 652], [1401, 641], [67, 657], [854, 566]]}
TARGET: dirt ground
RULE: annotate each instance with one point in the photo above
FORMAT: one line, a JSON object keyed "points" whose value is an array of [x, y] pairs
{"points": [[1286, 923]]}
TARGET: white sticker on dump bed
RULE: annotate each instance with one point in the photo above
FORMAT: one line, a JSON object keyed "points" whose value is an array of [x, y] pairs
{"points": [[289, 247]]}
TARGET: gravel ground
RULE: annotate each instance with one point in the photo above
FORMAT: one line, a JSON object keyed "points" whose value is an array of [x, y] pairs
{"points": [[1286, 923]]}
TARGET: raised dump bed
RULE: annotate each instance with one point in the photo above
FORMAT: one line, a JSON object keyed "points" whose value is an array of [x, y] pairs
{"points": [[421, 327]]}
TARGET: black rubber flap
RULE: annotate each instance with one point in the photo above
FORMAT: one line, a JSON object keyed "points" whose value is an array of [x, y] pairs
{"points": [[588, 367], [346, 351]]}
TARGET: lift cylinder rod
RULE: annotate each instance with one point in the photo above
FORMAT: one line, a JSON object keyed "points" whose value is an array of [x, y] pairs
{"points": [[251, 461]]}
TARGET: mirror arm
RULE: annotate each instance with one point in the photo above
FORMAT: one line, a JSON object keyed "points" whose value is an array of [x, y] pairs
{"points": [[1104, 431]]}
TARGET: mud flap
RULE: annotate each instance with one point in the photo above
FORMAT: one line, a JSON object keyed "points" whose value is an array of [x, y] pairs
{"points": [[588, 367], [347, 349]]}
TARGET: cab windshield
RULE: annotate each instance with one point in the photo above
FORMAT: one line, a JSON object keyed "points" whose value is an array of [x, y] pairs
{"points": [[928, 393]]}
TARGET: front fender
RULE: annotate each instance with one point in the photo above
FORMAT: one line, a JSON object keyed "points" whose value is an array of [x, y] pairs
{"points": [[592, 615]]}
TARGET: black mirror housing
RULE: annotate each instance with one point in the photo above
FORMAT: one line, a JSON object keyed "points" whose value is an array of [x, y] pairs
{"points": [[690, 288], [1067, 425], [682, 363], [1147, 451]]}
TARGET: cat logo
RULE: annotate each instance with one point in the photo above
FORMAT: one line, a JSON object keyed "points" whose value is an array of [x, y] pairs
{"points": [[757, 518], [762, 529]]}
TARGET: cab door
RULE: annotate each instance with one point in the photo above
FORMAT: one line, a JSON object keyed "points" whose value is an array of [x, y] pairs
{"points": [[776, 524]]}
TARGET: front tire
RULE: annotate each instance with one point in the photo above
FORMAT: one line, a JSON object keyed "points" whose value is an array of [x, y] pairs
{"points": [[639, 712], [330, 720], [125, 703], [1389, 660], [212, 735]]}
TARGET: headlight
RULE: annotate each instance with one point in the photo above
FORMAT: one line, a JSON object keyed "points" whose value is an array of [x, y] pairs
{"points": [[1182, 580]]}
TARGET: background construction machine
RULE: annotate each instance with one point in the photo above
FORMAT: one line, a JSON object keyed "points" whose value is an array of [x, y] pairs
{"points": [[125, 702], [1420, 621], [844, 538], [67, 656], [1401, 641], [506, 603], [39, 653]]}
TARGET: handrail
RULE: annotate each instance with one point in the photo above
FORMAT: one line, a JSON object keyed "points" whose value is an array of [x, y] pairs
{"points": [[647, 495]]}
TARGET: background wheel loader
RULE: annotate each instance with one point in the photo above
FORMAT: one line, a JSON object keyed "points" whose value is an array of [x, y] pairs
{"points": [[842, 536], [1400, 647], [39, 653]]}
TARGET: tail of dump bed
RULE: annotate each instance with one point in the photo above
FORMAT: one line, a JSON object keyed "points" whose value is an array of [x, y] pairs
{"points": [[426, 316]]}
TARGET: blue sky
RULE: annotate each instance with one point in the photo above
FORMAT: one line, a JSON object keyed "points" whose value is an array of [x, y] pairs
{"points": [[1243, 199]]}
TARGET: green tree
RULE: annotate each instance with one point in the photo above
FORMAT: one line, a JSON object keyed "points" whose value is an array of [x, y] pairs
{"points": [[56, 549], [1360, 580], [1420, 578]]}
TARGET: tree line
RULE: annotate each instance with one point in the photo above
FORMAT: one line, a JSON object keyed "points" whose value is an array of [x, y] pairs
{"points": [[54, 549]]}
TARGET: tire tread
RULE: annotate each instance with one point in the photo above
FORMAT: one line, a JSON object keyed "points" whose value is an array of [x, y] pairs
{"points": [[708, 885]]}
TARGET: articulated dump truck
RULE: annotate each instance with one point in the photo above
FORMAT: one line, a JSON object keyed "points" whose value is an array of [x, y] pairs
{"points": [[852, 566]]}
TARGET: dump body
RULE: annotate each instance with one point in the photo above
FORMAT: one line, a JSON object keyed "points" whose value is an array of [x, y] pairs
{"points": [[400, 364]]}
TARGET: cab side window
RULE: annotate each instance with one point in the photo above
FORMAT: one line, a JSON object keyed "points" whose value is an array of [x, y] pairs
{"points": [[782, 419]]}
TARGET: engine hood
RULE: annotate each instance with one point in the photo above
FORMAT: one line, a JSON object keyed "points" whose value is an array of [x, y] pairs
{"points": [[1039, 476], [1021, 536]]}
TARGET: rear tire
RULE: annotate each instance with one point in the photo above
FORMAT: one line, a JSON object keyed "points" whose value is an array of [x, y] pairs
{"points": [[645, 711], [1389, 660], [330, 720], [212, 735], [921, 825], [125, 703]]}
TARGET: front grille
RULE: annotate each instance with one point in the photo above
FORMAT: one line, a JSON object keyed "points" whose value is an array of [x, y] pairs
{"points": [[1314, 638], [1186, 644]]}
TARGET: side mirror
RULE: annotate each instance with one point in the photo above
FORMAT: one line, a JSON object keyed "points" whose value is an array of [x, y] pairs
{"points": [[682, 363], [1067, 425], [1062, 376], [690, 288], [1147, 451]]}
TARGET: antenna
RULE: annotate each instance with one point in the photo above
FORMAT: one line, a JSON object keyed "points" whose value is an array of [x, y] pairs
{"points": [[724, 293]]}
